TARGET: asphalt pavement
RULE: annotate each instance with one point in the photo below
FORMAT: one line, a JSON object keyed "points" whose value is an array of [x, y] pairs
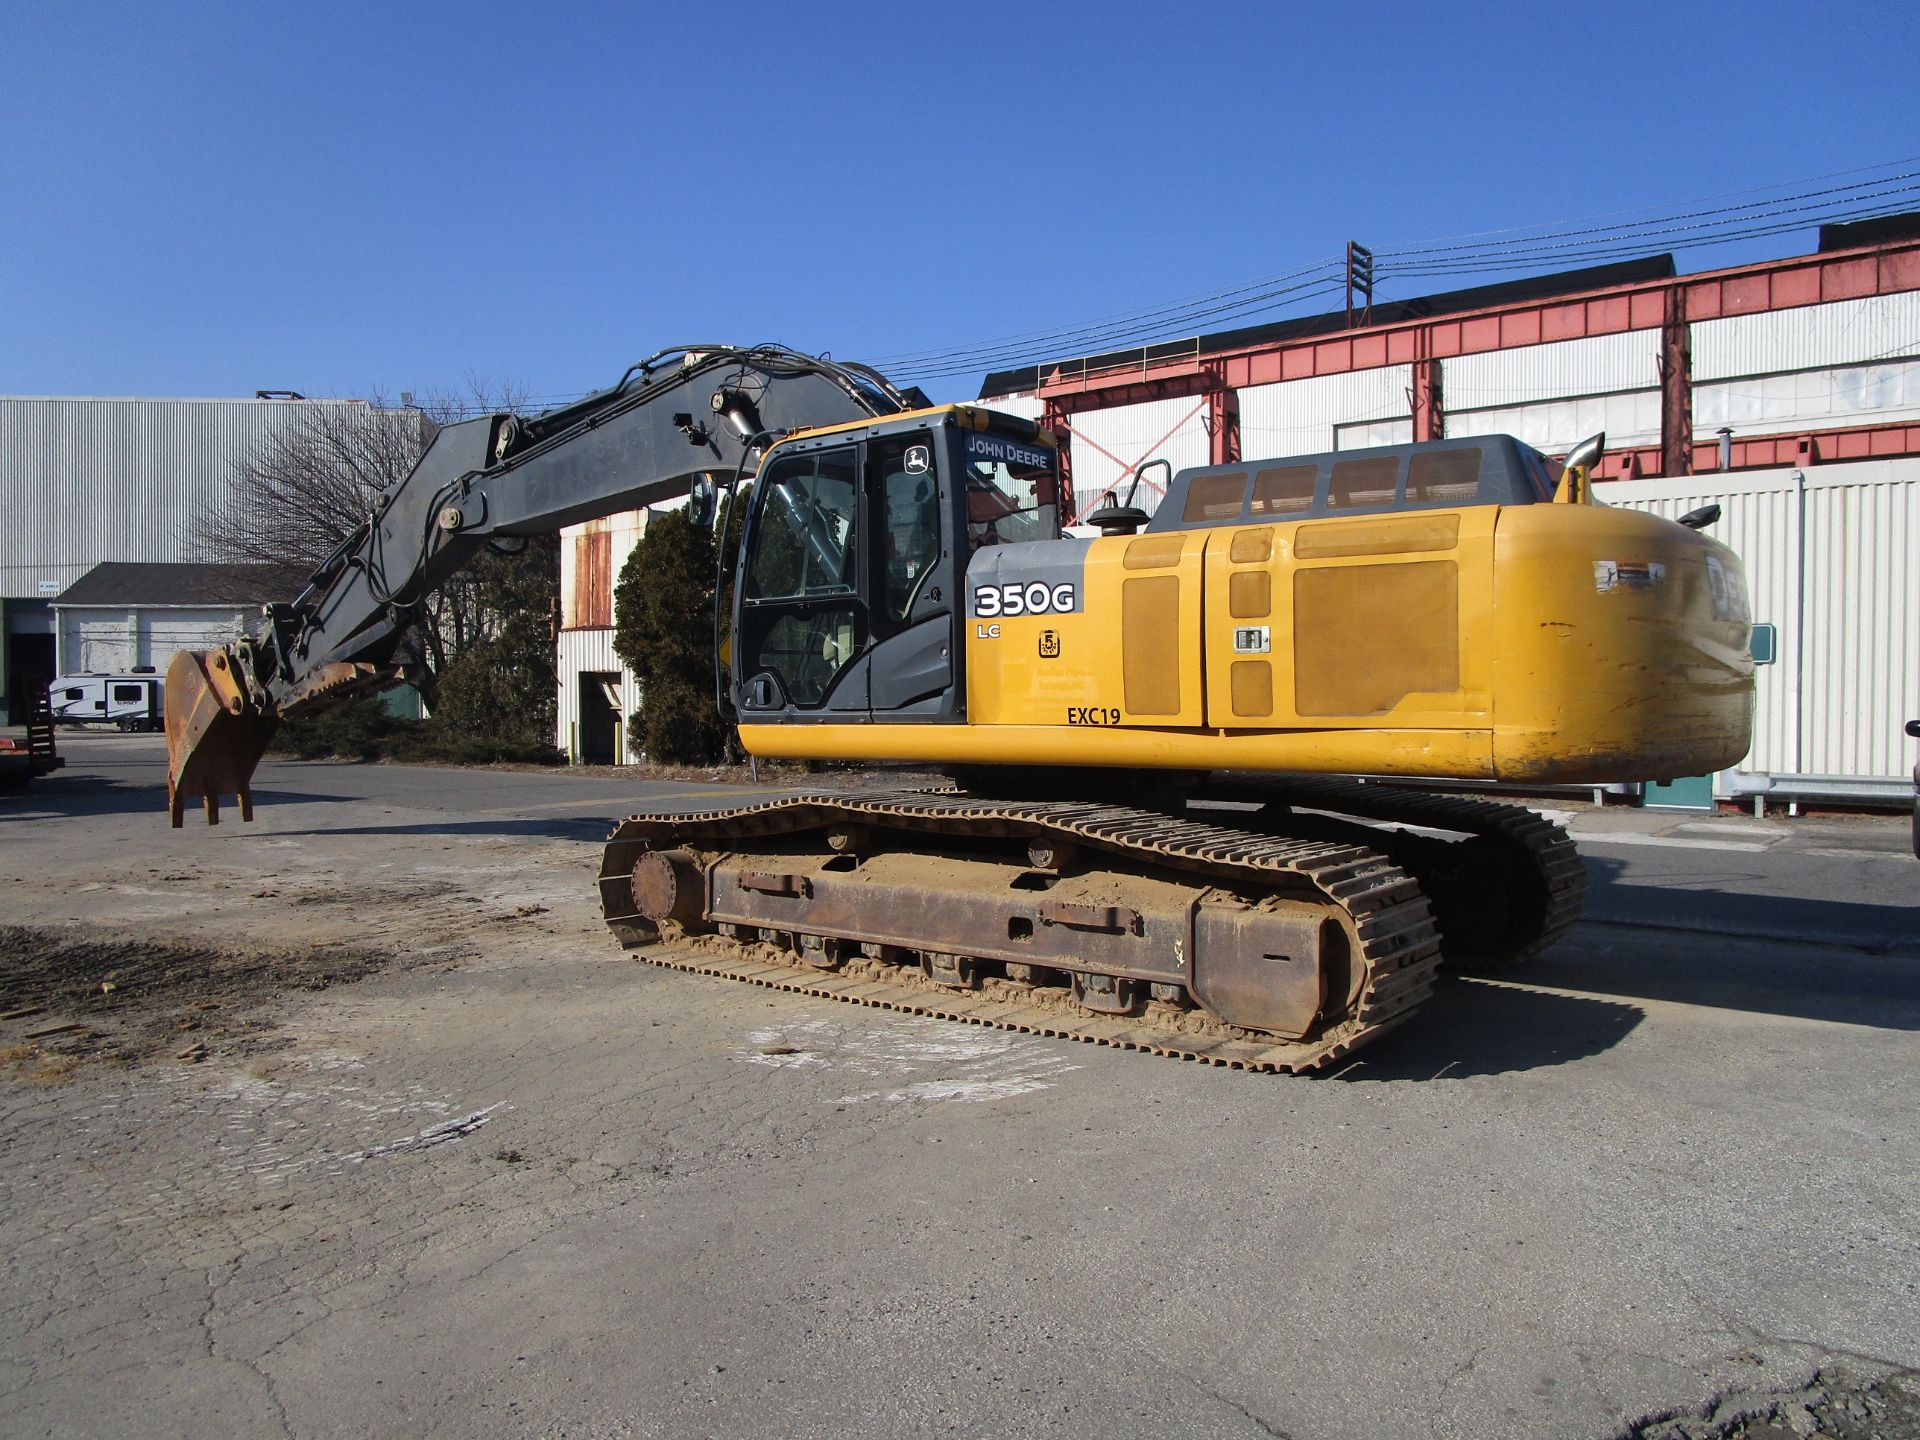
{"points": [[518, 1183]]}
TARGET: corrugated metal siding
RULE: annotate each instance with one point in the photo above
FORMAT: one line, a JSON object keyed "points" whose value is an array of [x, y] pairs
{"points": [[586, 652], [590, 651], [1107, 444], [1597, 365], [1862, 661], [1553, 396], [85, 480], [1840, 332], [1556, 426], [1308, 417], [1809, 399], [1363, 433], [1847, 679]]}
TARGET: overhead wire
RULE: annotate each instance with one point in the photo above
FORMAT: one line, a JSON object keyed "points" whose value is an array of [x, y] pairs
{"points": [[1047, 337], [1518, 250], [1523, 250], [1179, 327]]}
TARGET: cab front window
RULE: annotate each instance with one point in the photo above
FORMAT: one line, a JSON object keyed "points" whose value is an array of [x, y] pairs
{"points": [[1012, 488]]}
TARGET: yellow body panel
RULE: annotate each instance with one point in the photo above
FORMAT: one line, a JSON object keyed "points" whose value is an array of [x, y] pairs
{"points": [[1544, 643], [1147, 587], [1638, 677]]}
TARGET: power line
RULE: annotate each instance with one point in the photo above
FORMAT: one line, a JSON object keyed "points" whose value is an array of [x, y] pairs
{"points": [[1177, 327], [1722, 195], [1054, 338], [1706, 219], [1528, 249], [1786, 206], [1557, 256]]}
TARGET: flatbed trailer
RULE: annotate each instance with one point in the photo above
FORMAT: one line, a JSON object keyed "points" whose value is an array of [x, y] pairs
{"points": [[23, 759]]}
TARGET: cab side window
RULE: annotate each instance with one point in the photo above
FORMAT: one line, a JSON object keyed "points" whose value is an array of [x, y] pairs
{"points": [[807, 529]]}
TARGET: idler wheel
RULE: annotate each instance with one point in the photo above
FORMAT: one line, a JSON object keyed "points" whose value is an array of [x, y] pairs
{"points": [[669, 885]]}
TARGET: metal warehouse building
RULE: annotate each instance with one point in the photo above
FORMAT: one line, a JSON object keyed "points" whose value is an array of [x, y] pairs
{"points": [[1788, 392], [84, 481]]}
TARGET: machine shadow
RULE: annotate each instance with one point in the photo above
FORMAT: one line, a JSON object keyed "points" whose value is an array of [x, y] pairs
{"points": [[1871, 928], [57, 796], [1781, 977], [1855, 973], [593, 828], [1471, 1028]]}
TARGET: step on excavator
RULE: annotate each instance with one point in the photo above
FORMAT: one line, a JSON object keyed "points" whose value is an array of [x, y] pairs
{"points": [[1191, 803]]}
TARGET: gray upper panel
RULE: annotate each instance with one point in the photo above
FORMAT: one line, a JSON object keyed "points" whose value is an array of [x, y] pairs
{"points": [[1432, 475]]}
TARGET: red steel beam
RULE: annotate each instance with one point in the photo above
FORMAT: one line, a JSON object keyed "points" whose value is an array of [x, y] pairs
{"points": [[1423, 398], [1676, 385], [1223, 426], [1762, 452], [1744, 290]]}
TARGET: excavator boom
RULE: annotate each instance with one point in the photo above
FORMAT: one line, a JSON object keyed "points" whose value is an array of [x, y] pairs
{"points": [[681, 413]]}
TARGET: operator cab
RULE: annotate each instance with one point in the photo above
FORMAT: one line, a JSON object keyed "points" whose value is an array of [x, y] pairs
{"points": [[855, 555]]}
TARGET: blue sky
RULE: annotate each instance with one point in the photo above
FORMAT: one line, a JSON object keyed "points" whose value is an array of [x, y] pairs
{"points": [[357, 200]]}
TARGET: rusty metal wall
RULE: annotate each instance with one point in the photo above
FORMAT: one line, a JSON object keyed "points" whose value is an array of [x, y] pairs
{"points": [[1833, 560], [589, 650], [87, 480]]}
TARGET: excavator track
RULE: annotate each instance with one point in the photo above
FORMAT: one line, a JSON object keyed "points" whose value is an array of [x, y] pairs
{"points": [[1389, 953], [1501, 896]]}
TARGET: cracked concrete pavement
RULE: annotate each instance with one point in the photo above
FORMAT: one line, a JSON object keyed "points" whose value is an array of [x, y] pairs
{"points": [[516, 1183]]}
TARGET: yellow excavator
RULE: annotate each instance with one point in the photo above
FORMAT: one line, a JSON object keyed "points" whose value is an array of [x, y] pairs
{"points": [[1184, 810]]}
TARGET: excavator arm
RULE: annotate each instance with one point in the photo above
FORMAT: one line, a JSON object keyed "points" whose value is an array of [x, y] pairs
{"points": [[679, 414]]}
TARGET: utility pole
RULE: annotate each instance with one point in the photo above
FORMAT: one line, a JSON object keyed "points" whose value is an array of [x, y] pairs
{"points": [[1359, 281]]}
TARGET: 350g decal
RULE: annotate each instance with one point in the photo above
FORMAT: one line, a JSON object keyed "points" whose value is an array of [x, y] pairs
{"points": [[1033, 598]]}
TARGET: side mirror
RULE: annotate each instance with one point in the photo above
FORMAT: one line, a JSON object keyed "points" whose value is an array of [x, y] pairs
{"points": [[1913, 729], [700, 500], [1701, 518]]}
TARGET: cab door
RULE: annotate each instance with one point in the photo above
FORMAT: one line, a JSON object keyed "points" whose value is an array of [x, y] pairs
{"points": [[915, 577], [802, 623]]}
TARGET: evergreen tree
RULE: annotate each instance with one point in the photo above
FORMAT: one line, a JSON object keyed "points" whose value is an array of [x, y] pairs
{"points": [[663, 633], [503, 685]]}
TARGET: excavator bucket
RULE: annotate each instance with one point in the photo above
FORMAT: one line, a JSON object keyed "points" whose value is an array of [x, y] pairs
{"points": [[216, 734]]}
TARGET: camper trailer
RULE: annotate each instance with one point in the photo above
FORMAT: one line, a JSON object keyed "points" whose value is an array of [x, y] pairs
{"points": [[135, 701]]}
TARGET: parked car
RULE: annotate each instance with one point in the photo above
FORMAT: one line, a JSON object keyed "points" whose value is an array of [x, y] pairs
{"points": [[135, 701]]}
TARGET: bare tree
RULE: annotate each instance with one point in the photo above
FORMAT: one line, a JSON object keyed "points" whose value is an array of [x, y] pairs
{"points": [[305, 490]]}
